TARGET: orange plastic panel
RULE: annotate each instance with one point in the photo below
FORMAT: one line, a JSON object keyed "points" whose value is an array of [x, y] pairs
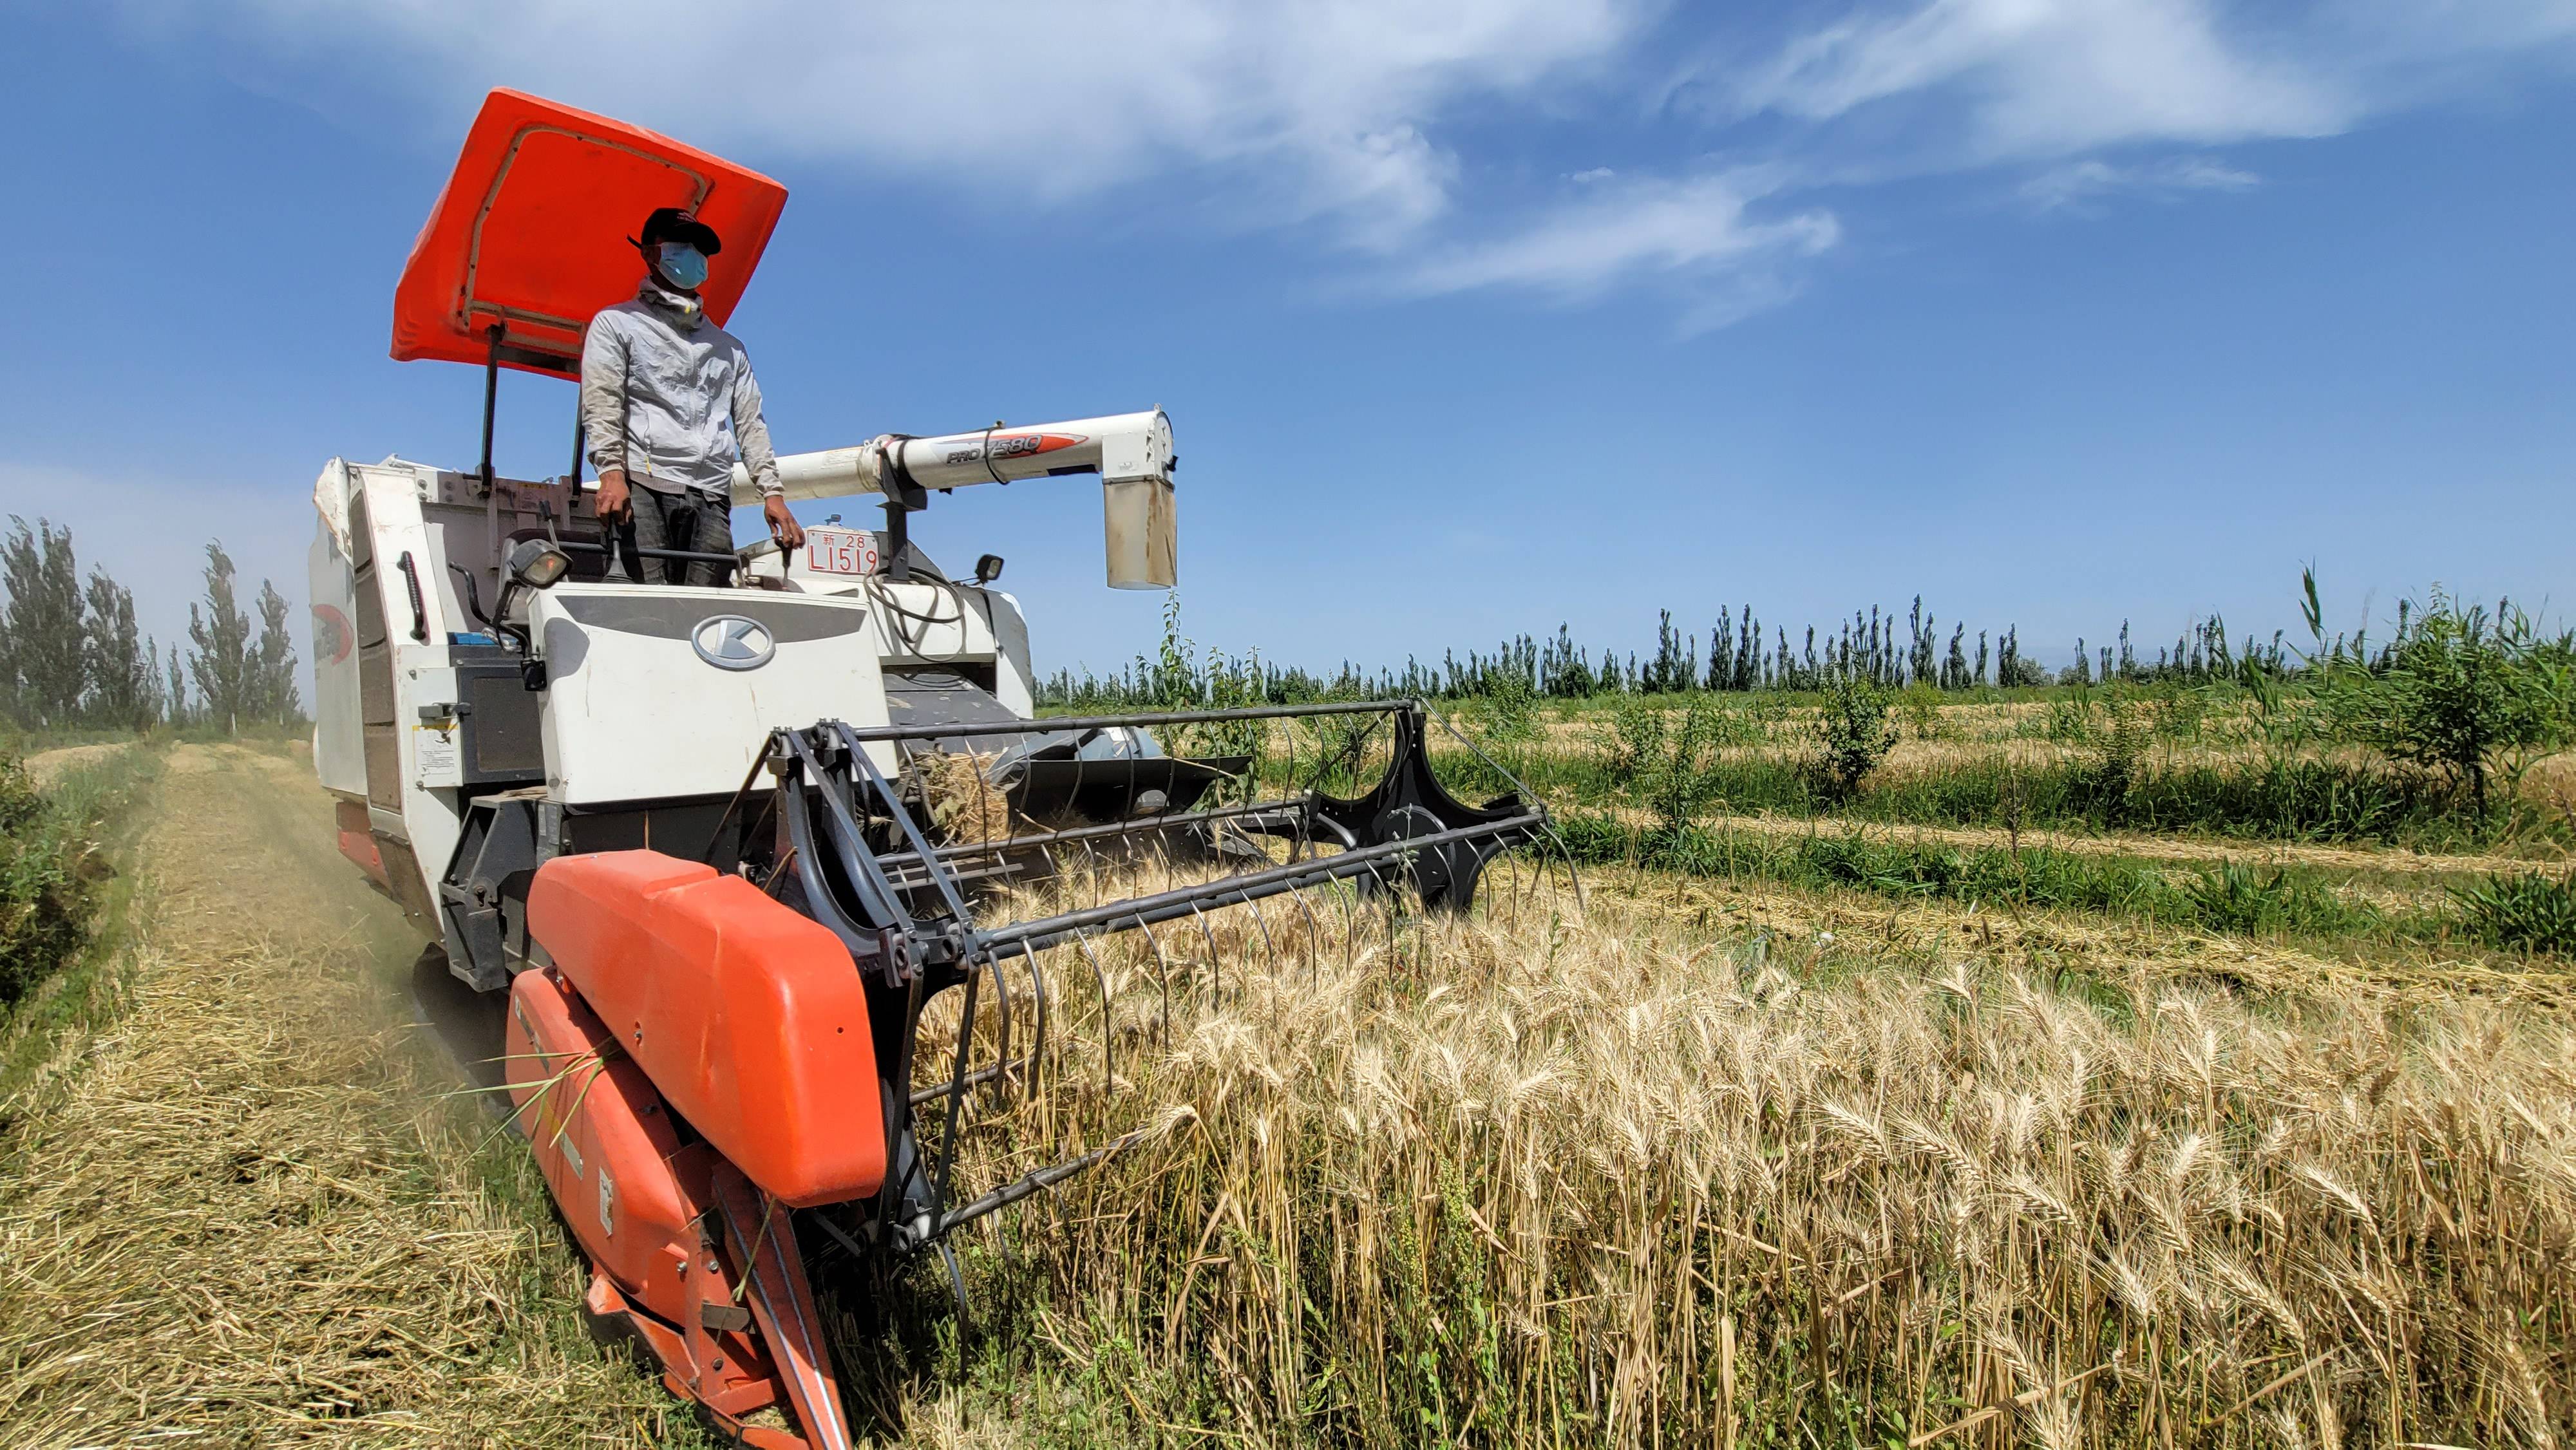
{"points": [[531, 232], [631, 1192], [358, 842], [748, 1017]]}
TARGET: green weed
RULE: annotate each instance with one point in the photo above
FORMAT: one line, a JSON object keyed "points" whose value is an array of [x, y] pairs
{"points": [[1854, 733], [47, 875], [2233, 899], [2531, 911]]}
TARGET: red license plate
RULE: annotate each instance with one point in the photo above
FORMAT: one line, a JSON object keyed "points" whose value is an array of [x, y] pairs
{"points": [[841, 551]]}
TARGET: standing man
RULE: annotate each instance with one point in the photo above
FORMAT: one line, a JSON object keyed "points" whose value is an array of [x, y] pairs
{"points": [[669, 406]]}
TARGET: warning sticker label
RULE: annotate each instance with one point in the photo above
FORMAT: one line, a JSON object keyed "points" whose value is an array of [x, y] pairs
{"points": [[434, 751]]}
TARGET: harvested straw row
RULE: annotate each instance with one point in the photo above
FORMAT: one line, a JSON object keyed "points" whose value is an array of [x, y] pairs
{"points": [[961, 800], [252, 1219]]}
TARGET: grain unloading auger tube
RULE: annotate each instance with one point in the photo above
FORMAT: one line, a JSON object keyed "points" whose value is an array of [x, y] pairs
{"points": [[1132, 453], [719, 1051]]}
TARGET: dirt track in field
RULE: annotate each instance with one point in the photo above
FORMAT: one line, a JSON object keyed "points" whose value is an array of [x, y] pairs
{"points": [[249, 1217]]}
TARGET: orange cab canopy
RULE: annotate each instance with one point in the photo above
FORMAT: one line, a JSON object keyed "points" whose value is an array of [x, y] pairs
{"points": [[531, 233]]}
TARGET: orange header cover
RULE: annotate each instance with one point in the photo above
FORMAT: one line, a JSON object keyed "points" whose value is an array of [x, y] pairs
{"points": [[531, 230]]}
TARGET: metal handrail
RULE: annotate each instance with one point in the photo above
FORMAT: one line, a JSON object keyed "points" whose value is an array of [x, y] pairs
{"points": [[1048, 725], [1048, 931]]}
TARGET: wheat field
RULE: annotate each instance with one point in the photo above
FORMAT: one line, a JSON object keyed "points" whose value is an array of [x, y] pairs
{"points": [[1549, 1177], [1626, 1168]]}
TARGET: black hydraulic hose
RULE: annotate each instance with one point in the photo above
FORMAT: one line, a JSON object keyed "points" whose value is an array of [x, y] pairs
{"points": [[849, 844], [473, 595], [914, 644], [491, 400], [860, 763], [819, 903], [759, 762], [990, 471]]}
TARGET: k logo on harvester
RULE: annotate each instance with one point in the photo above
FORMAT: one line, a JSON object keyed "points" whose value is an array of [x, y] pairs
{"points": [[732, 642]]}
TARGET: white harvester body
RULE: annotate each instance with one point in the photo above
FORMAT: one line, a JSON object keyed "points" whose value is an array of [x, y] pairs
{"points": [[615, 713]]}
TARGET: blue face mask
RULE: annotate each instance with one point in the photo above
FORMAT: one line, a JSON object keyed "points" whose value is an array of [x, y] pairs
{"points": [[681, 263]]}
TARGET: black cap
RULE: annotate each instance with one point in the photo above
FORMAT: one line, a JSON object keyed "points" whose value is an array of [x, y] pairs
{"points": [[672, 224]]}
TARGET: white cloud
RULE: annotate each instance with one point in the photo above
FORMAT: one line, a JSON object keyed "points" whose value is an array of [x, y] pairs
{"points": [[2037, 78], [2021, 80], [1294, 111], [1392, 131], [1693, 237], [2077, 185]]}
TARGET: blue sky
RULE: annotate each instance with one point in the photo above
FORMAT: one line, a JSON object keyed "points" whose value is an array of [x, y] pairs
{"points": [[1471, 319]]}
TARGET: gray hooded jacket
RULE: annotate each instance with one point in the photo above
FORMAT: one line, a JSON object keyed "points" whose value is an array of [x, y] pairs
{"points": [[668, 396]]}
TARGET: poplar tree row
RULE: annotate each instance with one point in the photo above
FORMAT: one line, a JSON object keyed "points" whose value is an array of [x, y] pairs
{"points": [[1885, 649], [71, 654]]}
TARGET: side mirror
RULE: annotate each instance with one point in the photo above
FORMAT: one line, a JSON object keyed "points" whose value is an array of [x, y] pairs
{"points": [[533, 564], [537, 564], [988, 568]]}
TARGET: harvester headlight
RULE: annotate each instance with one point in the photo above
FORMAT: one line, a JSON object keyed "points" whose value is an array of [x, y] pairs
{"points": [[536, 564], [988, 568]]}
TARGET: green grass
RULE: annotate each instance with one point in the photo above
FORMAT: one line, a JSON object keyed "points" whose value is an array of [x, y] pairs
{"points": [[67, 908], [44, 898], [2138, 762], [51, 863], [22, 741], [2275, 797], [2531, 913]]}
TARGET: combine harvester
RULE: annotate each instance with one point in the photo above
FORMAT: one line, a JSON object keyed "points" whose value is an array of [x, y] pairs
{"points": [[685, 829]]}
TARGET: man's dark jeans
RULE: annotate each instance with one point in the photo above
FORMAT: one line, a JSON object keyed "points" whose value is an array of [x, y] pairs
{"points": [[688, 521]]}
